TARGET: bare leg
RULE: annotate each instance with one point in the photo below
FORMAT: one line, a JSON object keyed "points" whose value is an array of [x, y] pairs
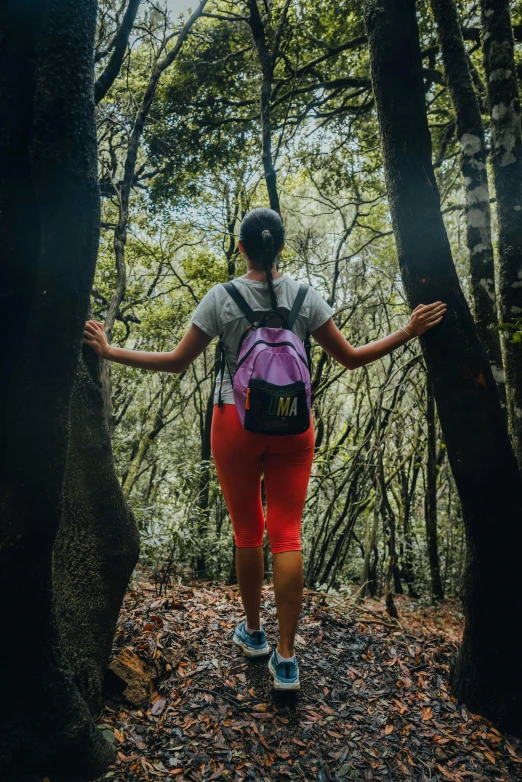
{"points": [[250, 574], [288, 587]]}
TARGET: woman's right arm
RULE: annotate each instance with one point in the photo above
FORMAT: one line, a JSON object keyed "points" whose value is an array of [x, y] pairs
{"points": [[193, 343], [332, 341]]}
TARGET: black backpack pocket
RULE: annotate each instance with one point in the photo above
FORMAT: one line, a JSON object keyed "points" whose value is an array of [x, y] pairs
{"points": [[274, 409]]}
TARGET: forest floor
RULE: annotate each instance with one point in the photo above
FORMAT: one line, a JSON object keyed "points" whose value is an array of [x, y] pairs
{"points": [[374, 701]]}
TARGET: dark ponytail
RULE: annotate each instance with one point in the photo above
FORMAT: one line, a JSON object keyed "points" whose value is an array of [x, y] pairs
{"points": [[268, 262], [262, 234]]}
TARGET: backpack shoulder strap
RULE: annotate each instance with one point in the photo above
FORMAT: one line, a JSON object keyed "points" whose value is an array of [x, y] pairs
{"points": [[296, 307], [245, 308]]}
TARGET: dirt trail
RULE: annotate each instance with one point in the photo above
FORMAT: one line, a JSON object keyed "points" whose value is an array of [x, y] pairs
{"points": [[374, 702]]}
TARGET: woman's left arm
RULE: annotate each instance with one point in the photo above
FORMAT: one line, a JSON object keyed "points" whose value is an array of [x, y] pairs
{"points": [[333, 342], [190, 347]]}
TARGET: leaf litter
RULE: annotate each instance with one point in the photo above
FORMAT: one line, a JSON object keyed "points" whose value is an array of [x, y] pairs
{"points": [[374, 701]]}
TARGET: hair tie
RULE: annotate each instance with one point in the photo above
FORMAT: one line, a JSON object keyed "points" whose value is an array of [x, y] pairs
{"points": [[266, 232]]}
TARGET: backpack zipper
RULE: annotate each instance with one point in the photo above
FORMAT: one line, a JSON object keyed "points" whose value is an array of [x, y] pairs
{"points": [[272, 389], [270, 345]]}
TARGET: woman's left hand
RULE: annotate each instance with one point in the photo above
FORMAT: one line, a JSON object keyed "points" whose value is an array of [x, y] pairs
{"points": [[425, 316]]}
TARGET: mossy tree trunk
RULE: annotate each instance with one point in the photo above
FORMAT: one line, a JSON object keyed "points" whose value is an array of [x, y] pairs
{"points": [[506, 158], [470, 132], [49, 223], [97, 545], [488, 675]]}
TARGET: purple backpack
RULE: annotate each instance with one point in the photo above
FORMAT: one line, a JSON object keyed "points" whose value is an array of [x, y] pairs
{"points": [[272, 379]]}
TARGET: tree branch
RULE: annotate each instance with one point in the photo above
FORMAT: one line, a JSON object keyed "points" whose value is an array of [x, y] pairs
{"points": [[109, 75]]}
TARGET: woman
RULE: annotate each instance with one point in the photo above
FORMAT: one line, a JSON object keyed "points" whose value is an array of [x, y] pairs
{"points": [[241, 456]]}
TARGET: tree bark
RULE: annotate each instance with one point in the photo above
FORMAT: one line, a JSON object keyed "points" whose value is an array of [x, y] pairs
{"points": [[506, 158], [430, 509], [470, 131], [49, 223], [488, 675], [97, 545]]}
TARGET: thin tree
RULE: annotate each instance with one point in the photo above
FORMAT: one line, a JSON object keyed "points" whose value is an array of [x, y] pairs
{"points": [[430, 505], [487, 675], [506, 158], [470, 133], [268, 53]]}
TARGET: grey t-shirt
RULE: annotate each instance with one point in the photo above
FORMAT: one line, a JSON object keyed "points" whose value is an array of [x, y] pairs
{"points": [[217, 313]]}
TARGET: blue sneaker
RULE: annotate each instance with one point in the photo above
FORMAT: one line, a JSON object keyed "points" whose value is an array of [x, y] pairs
{"points": [[286, 674], [253, 644]]}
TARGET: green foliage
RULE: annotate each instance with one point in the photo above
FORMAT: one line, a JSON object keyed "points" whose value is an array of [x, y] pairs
{"points": [[514, 329], [198, 170]]}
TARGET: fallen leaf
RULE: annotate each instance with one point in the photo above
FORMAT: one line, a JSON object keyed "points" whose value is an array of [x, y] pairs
{"points": [[447, 774], [158, 706]]}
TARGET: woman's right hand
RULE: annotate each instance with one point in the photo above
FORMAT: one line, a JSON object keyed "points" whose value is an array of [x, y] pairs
{"points": [[95, 336], [425, 316]]}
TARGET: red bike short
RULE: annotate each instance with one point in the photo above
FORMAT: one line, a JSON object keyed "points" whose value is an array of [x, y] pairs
{"points": [[286, 461]]}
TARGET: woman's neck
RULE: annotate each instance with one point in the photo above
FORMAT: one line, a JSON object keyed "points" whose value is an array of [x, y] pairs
{"points": [[259, 275]]}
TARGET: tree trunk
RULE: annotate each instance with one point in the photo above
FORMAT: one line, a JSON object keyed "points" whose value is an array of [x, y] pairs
{"points": [[154, 484], [366, 581], [97, 545], [153, 426], [49, 223], [373, 572], [408, 495], [267, 59], [233, 214], [389, 531], [470, 131], [204, 484], [488, 675], [430, 506], [232, 573], [506, 158]]}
